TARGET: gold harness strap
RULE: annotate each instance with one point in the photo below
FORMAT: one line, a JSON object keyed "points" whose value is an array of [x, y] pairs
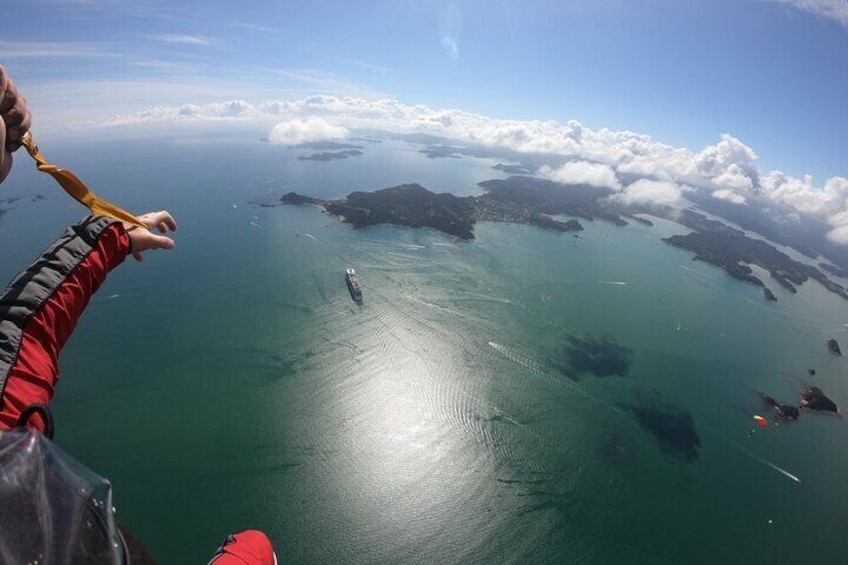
{"points": [[76, 188]]}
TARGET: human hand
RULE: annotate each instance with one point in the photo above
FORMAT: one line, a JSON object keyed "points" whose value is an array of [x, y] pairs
{"points": [[16, 122], [143, 239]]}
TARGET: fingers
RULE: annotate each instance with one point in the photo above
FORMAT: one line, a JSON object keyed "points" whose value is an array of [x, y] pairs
{"points": [[160, 242], [4, 81], [142, 240], [18, 121], [162, 221], [5, 163], [10, 96], [4, 86], [13, 109]]}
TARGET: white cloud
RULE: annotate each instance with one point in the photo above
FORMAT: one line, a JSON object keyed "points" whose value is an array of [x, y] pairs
{"points": [[294, 132], [715, 159], [788, 219], [450, 48], [651, 192], [836, 10], [839, 235], [233, 109], [729, 195], [734, 178], [183, 39], [803, 196], [582, 172], [729, 164], [48, 49], [727, 169], [450, 28]]}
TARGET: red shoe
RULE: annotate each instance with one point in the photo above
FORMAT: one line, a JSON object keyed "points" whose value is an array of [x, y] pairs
{"points": [[250, 547]]}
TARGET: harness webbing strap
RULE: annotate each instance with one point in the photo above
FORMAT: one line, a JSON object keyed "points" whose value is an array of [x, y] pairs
{"points": [[76, 188]]}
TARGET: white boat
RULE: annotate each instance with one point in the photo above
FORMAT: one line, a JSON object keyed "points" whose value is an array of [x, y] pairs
{"points": [[353, 285]]}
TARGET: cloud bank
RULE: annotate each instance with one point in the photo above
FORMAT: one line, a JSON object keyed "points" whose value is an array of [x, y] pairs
{"points": [[651, 192], [581, 172], [836, 10], [295, 132], [727, 170]]}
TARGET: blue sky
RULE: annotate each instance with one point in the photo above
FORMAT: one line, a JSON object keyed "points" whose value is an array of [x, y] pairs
{"points": [[772, 73]]}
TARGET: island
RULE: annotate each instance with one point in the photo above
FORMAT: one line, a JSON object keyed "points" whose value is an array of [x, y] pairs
{"points": [[326, 146], [785, 412], [512, 169], [441, 152], [732, 250], [833, 270], [522, 200], [14, 199], [643, 221], [551, 205], [834, 348], [814, 399], [405, 205], [331, 156]]}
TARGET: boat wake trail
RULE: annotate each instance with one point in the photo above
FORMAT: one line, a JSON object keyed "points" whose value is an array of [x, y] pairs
{"points": [[765, 461], [542, 370], [310, 236], [484, 298], [519, 359], [434, 306]]}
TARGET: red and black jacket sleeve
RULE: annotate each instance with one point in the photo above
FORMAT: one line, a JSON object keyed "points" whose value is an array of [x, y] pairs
{"points": [[40, 308]]}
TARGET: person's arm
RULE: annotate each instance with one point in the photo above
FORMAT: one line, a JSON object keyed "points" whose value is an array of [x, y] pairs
{"points": [[15, 121], [41, 306]]}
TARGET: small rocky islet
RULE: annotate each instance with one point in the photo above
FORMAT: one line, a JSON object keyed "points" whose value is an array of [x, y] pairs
{"points": [[812, 399]]}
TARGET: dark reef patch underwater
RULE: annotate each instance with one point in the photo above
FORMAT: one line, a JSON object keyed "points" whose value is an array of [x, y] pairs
{"points": [[672, 428], [600, 356]]}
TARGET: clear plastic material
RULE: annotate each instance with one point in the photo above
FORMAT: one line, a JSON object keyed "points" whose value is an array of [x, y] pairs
{"points": [[53, 510]]}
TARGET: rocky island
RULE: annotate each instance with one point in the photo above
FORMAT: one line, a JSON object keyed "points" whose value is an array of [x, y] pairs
{"points": [[732, 250], [812, 398], [331, 156], [405, 205], [521, 200], [512, 169], [441, 152], [785, 412]]}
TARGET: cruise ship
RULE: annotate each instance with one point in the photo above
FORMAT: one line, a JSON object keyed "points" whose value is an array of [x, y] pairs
{"points": [[353, 285]]}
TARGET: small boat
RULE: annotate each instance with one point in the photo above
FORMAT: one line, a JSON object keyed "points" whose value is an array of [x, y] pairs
{"points": [[353, 285]]}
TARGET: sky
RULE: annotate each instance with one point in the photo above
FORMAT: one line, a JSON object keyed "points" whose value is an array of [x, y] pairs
{"points": [[735, 91]]}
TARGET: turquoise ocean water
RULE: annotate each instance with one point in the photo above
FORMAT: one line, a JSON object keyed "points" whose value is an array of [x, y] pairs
{"points": [[233, 384]]}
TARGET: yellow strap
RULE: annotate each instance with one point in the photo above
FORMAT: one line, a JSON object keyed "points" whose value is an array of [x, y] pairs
{"points": [[76, 188]]}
